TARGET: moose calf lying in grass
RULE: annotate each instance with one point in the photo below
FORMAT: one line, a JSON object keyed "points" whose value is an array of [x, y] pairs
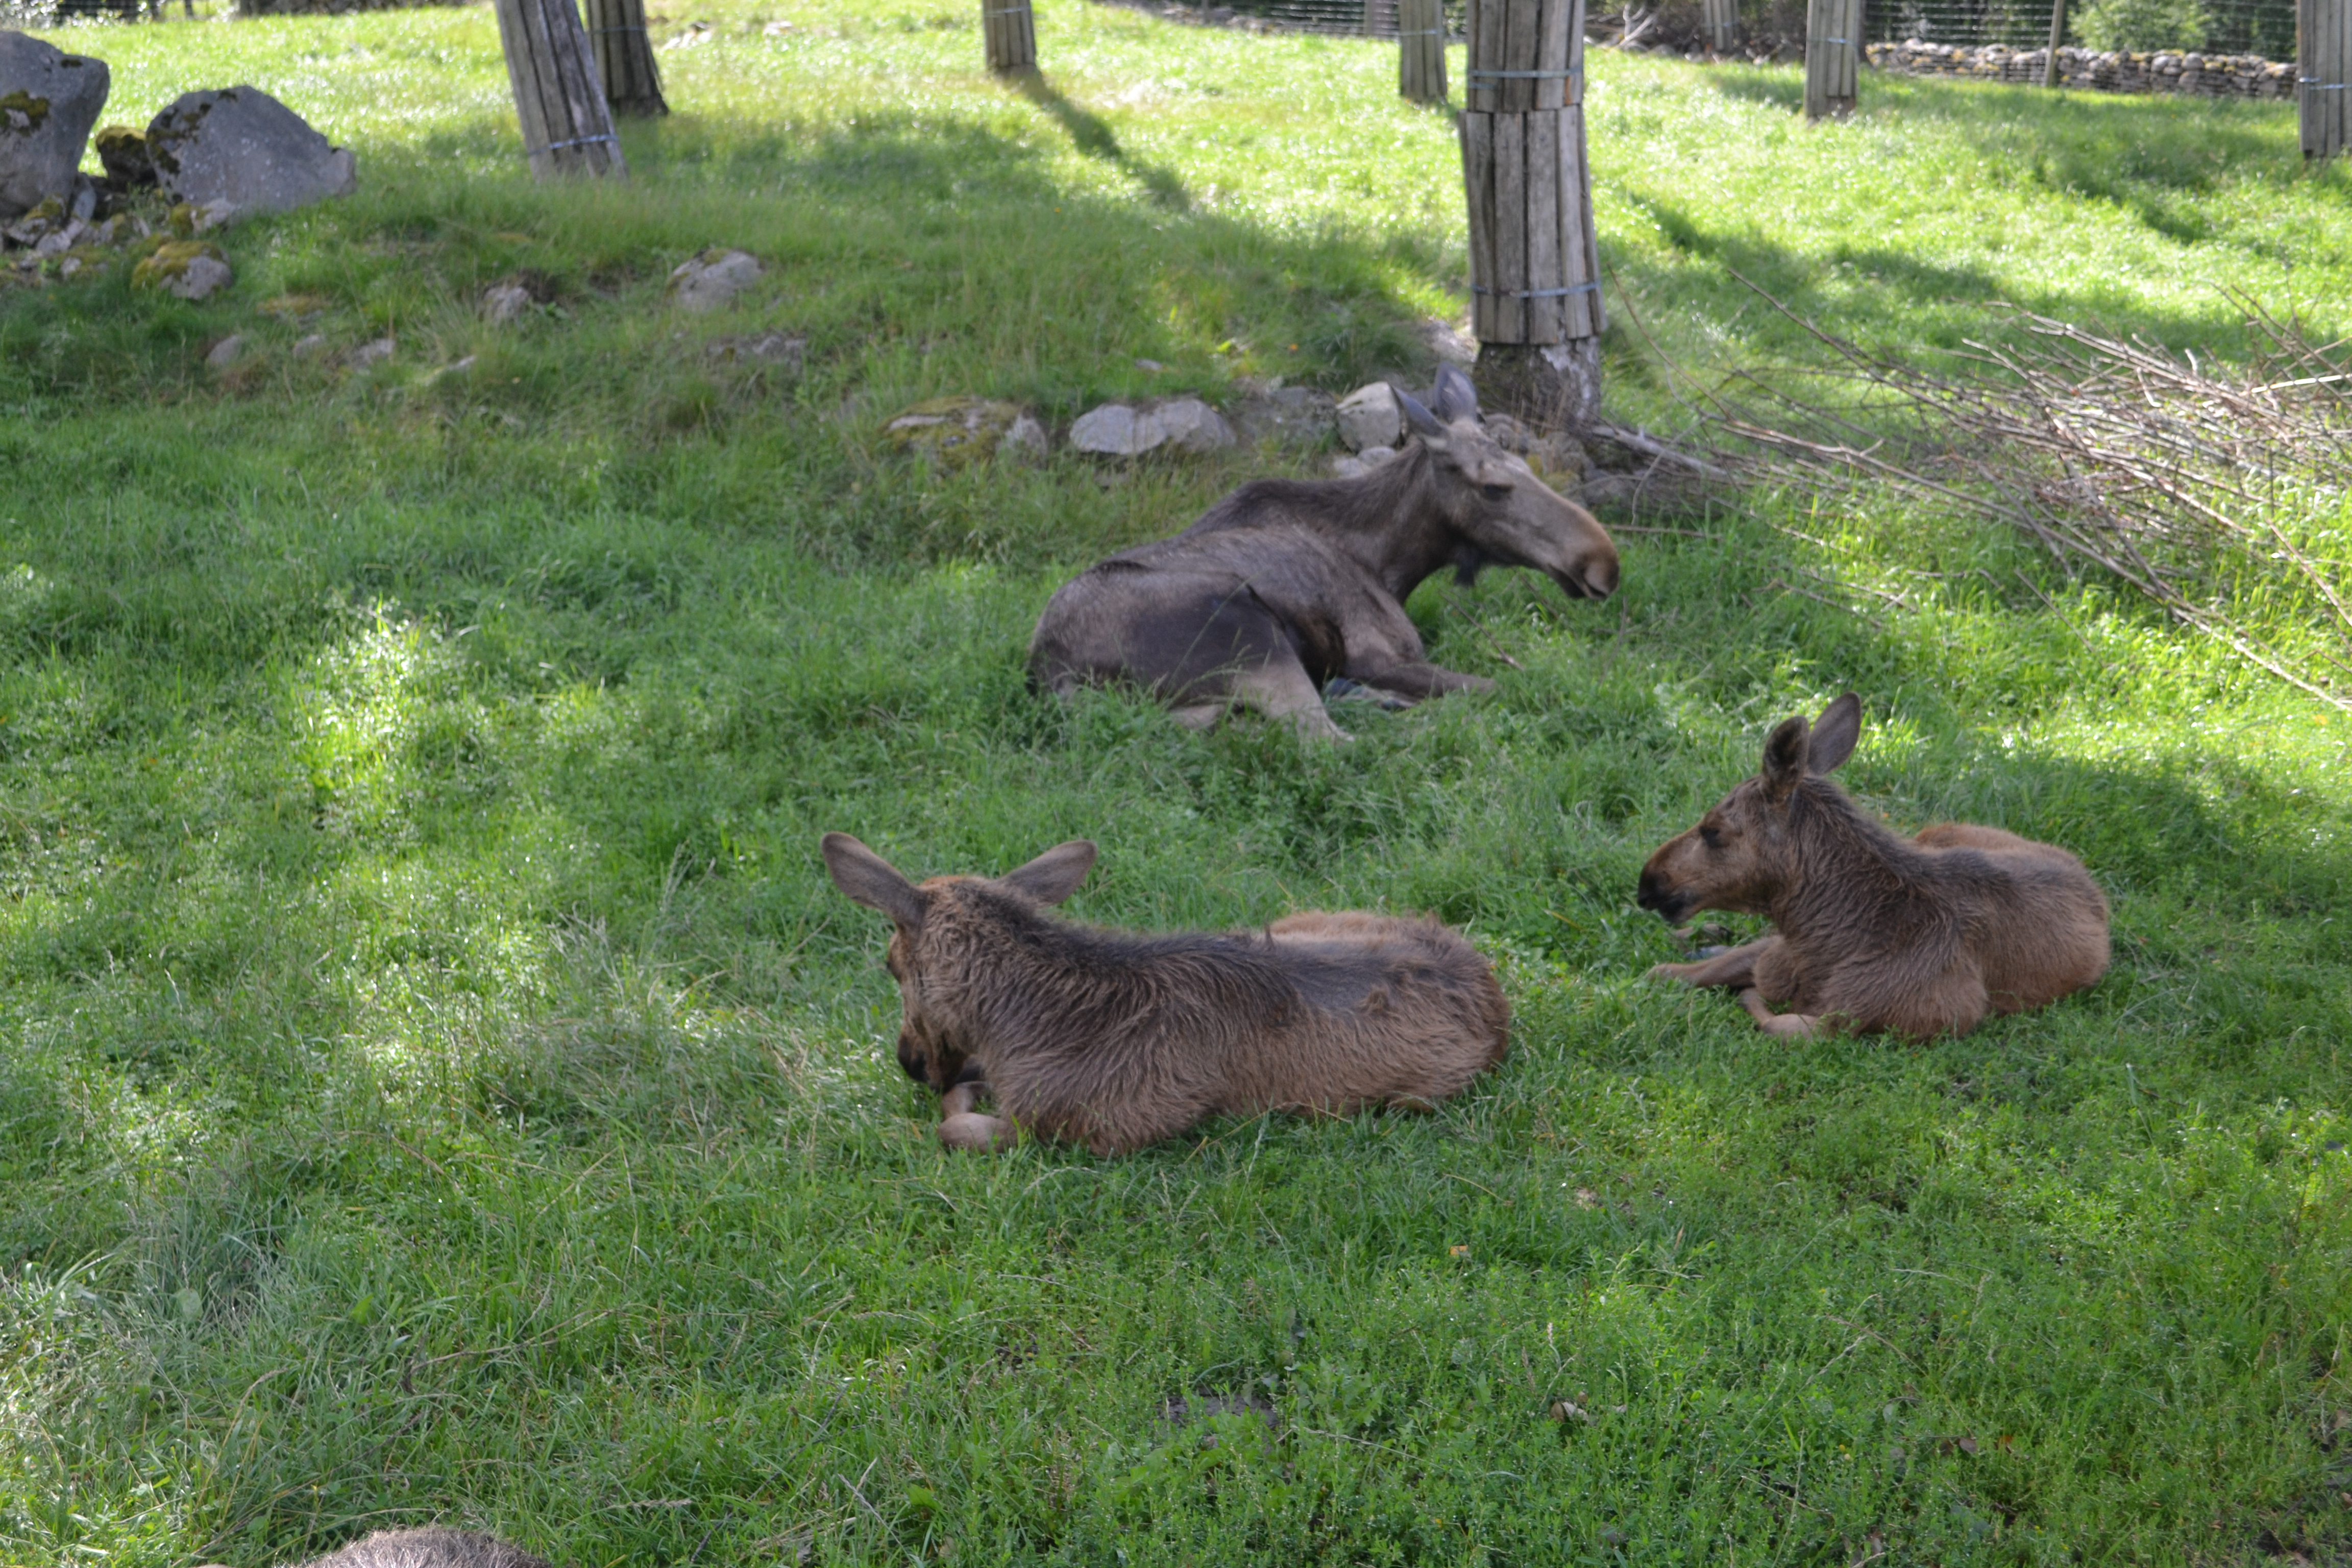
{"points": [[1920, 936], [1118, 1040]]}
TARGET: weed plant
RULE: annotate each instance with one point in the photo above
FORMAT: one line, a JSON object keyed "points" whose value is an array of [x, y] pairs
{"points": [[439, 1083]]}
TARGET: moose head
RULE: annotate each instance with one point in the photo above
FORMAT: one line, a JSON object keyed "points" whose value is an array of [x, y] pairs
{"points": [[1499, 513], [1744, 852], [933, 952]]}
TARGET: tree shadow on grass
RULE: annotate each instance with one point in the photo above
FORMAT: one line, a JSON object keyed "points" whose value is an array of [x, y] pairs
{"points": [[1093, 136]]}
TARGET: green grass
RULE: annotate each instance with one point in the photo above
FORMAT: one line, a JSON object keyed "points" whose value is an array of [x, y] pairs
{"points": [[440, 1084]]}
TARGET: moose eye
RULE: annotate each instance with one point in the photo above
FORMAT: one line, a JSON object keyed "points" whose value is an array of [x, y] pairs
{"points": [[1495, 492], [1711, 838]]}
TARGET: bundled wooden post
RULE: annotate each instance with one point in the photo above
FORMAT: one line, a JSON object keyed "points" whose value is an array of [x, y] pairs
{"points": [[625, 57], [1832, 57], [1719, 20], [2057, 37], [567, 126], [2322, 68], [1420, 47], [1535, 267], [1011, 35]]}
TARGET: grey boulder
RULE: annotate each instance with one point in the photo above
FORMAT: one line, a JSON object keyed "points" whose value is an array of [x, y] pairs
{"points": [[1115, 430], [49, 102], [240, 145]]}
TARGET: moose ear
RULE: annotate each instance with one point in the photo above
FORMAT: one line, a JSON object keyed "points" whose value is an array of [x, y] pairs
{"points": [[1054, 875], [1784, 758], [1418, 418], [873, 882], [1456, 398], [1834, 734]]}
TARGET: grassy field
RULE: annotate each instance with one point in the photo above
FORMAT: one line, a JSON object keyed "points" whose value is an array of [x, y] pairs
{"points": [[439, 1083]]}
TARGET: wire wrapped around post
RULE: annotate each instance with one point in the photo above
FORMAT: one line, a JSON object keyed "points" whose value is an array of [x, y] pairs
{"points": [[567, 126], [1719, 20], [1535, 263], [1420, 50], [1833, 57], [1011, 32], [2322, 68]]}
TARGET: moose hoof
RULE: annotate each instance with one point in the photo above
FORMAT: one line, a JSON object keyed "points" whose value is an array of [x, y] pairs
{"points": [[970, 1129]]}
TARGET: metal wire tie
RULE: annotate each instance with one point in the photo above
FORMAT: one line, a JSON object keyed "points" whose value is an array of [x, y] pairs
{"points": [[1577, 70], [1008, 10], [575, 141], [623, 28], [1423, 33], [1534, 294], [2315, 84], [1837, 40]]}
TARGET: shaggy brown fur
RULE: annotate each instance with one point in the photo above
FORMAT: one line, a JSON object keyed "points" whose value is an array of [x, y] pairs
{"points": [[1286, 585], [1118, 1040], [1919, 936], [427, 1548]]}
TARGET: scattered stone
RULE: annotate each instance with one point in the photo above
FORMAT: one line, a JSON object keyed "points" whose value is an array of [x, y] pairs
{"points": [[1553, 456], [123, 152], [1115, 430], [504, 302], [241, 146], [372, 354], [294, 306], [51, 100], [953, 431], [1149, 364], [2204, 76], [456, 367], [1188, 422], [1289, 415], [1373, 456], [710, 281], [310, 346], [206, 216], [189, 268], [1026, 439], [225, 352], [767, 349], [1370, 416]]}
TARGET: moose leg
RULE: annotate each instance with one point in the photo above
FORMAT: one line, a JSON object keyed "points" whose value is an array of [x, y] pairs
{"points": [[1420, 678], [1736, 968], [1780, 1025], [1281, 689]]}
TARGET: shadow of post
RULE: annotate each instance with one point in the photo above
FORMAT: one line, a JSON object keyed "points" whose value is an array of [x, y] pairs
{"points": [[1090, 134]]}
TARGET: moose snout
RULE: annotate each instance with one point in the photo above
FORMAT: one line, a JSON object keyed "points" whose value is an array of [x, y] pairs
{"points": [[1656, 893], [913, 1061]]}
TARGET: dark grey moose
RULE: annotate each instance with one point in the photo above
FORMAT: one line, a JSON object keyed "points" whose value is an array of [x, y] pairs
{"points": [[1287, 583]]}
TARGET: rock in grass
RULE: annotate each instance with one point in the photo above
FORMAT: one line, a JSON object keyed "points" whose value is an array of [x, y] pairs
{"points": [[372, 354], [955, 431], [240, 145], [49, 102], [190, 268], [505, 302], [226, 352], [1370, 416], [772, 351], [1117, 430], [123, 151], [710, 281]]}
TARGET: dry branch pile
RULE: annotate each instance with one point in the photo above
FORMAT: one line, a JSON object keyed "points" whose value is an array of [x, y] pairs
{"points": [[2226, 499]]}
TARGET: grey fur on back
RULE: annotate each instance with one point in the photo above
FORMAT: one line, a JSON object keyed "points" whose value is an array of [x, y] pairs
{"points": [[428, 1548]]}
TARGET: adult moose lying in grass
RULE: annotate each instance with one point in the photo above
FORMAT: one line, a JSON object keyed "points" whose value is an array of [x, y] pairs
{"points": [[1118, 1040], [1287, 583], [1921, 936]]}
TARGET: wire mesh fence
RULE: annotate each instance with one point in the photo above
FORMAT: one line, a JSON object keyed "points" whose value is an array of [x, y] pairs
{"points": [[1377, 18]]}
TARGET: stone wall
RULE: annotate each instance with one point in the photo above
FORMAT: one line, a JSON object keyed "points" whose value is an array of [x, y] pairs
{"points": [[2205, 76]]}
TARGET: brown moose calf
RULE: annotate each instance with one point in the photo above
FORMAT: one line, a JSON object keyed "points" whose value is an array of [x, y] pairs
{"points": [[1117, 1040], [1919, 936], [432, 1548]]}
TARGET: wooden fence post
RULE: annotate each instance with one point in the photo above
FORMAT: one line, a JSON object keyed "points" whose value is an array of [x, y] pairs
{"points": [[2057, 37], [2322, 68], [1011, 35], [567, 126], [624, 56], [1832, 54], [1420, 50], [1535, 267], [1719, 20]]}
